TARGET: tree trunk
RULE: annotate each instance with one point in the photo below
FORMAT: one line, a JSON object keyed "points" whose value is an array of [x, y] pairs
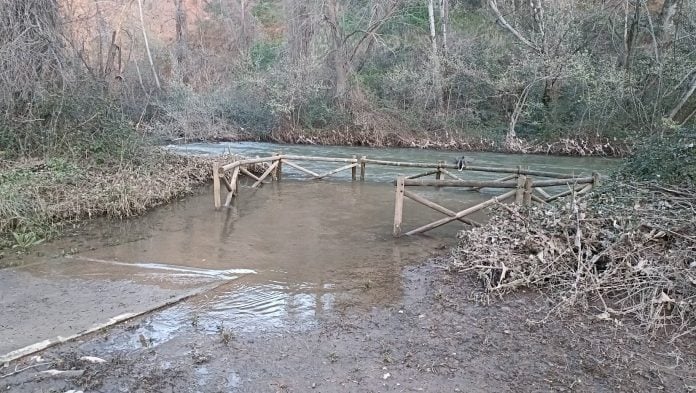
{"points": [[147, 45], [686, 106], [435, 58], [181, 39], [341, 62]]}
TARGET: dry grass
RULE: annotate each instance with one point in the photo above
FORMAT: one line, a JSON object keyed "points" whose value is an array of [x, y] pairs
{"points": [[446, 141], [37, 194], [624, 251]]}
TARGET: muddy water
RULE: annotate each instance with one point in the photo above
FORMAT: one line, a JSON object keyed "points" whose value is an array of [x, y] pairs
{"points": [[283, 256]]}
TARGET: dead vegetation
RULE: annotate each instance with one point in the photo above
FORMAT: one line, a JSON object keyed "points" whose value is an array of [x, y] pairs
{"points": [[601, 147], [624, 251]]}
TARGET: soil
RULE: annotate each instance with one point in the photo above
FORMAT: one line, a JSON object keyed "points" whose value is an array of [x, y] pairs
{"points": [[433, 338]]}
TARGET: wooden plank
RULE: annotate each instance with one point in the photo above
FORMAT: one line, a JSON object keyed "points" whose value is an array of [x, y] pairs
{"points": [[462, 213], [216, 185], [438, 208], [305, 170], [585, 190], [343, 168], [519, 192], [323, 159], [265, 174], [399, 205]]}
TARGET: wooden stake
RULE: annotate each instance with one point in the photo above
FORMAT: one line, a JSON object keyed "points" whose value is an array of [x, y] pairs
{"points": [[354, 171], [519, 192], [363, 164], [438, 175], [528, 190], [398, 205], [216, 185], [278, 173]]}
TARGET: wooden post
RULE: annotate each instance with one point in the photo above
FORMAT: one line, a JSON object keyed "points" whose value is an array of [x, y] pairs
{"points": [[362, 167], [519, 194], [276, 172], [528, 190], [354, 171], [279, 169], [216, 185], [438, 175], [596, 180], [398, 205]]}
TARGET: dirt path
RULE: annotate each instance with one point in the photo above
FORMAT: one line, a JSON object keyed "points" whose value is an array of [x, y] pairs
{"points": [[430, 339]]}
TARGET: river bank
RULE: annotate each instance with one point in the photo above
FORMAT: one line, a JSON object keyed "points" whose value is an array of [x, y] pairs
{"points": [[570, 146], [37, 196], [428, 339]]}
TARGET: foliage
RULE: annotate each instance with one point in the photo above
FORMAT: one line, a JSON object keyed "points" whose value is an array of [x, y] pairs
{"points": [[667, 158]]}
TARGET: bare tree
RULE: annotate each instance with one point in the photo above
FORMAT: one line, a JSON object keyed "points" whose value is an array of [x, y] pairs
{"points": [[147, 44]]}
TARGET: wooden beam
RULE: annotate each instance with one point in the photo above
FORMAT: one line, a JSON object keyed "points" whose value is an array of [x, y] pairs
{"points": [[305, 170], [421, 175], [502, 179], [564, 193], [323, 159], [343, 168], [446, 172], [493, 184], [265, 174], [438, 208], [248, 162], [235, 184], [398, 205], [247, 173], [462, 213], [543, 193]]}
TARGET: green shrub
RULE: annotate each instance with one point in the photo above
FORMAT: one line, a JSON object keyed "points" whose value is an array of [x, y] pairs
{"points": [[670, 158]]}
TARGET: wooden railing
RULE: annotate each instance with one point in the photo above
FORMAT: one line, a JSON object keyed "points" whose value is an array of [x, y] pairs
{"points": [[523, 184]]}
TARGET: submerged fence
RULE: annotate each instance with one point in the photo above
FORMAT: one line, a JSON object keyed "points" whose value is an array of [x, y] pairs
{"points": [[524, 186]]}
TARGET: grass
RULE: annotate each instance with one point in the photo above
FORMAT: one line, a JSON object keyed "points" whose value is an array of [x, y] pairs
{"points": [[37, 196]]}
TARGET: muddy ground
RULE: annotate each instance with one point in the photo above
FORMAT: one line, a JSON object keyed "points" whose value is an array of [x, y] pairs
{"points": [[433, 338]]}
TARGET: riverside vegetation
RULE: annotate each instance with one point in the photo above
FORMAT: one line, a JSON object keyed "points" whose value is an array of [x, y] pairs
{"points": [[87, 92]]}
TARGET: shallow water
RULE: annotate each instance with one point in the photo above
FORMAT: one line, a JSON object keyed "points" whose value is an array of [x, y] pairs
{"points": [[285, 254]]}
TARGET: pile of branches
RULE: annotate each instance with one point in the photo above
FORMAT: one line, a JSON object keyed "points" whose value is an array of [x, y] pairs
{"points": [[626, 250]]}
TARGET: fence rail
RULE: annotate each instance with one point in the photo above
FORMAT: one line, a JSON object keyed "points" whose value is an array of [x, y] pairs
{"points": [[526, 185]]}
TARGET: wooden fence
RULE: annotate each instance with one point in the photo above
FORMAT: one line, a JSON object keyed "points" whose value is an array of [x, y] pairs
{"points": [[523, 185]]}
